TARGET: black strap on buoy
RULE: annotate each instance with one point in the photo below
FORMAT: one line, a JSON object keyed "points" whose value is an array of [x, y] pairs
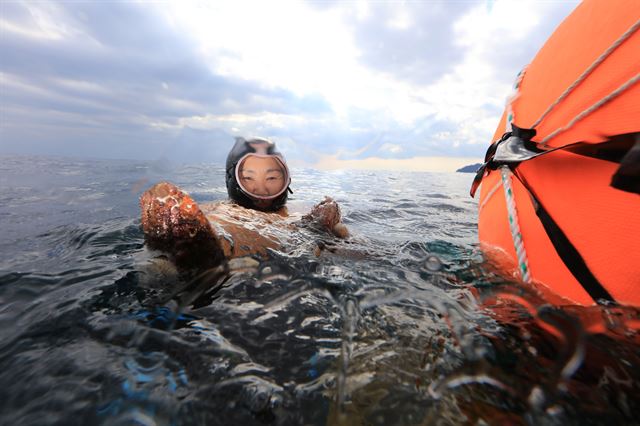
{"points": [[568, 253], [627, 177], [513, 148]]}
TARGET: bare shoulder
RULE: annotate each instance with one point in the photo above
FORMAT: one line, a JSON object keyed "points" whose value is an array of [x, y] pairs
{"points": [[232, 212]]}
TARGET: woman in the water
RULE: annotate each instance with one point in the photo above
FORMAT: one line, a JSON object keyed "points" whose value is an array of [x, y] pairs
{"points": [[255, 219]]}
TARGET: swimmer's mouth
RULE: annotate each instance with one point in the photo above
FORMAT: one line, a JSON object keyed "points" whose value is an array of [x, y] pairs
{"points": [[262, 203]]}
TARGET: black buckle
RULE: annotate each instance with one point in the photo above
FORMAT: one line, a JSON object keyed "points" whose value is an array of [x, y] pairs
{"points": [[477, 180], [513, 148]]}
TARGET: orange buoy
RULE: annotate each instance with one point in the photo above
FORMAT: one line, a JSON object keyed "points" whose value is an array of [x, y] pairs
{"points": [[559, 204]]}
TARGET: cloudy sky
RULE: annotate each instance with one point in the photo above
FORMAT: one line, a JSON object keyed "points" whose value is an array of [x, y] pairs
{"points": [[398, 85]]}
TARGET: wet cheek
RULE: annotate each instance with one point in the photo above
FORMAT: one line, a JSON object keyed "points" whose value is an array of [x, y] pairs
{"points": [[276, 185]]}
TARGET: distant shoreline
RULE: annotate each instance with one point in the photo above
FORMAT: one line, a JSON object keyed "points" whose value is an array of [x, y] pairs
{"points": [[471, 168]]}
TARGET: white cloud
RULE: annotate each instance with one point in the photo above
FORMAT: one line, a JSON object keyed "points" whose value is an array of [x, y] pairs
{"points": [[401, 20], [463, 95], [294, 46], [312, 51], [392, 148], [284, 44], [416, 164], [363, 11], [233, 123], [47, 23], [371, 78]]}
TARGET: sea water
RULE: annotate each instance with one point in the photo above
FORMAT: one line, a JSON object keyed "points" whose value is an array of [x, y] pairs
{"points": [[399, 324]]}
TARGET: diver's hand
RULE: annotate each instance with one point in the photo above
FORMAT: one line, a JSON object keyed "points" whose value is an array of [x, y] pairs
{"points": [[327, 214], [172, 221]]}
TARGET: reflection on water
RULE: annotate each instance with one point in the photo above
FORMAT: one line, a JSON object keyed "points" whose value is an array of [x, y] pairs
{"points": [[401, 324]]}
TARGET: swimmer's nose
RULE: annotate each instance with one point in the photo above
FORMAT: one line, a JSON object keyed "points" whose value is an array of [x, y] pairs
{"points": [[261, 189]]}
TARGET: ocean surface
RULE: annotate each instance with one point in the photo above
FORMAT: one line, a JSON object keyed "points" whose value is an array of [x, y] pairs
{"points": [[403, 323]]}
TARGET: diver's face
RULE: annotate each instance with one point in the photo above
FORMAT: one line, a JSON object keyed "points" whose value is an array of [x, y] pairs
{"points": [[262, 177]]}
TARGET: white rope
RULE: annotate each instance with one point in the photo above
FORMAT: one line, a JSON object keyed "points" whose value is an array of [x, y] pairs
{"points": [[489, 195], [515, 94], [592, 108], [514, 227], [589, 70]]}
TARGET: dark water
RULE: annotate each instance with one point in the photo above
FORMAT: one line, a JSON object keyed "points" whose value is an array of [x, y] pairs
{"points": [[398, 325]]}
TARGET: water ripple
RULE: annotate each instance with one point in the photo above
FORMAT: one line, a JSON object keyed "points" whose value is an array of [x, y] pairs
{"points": [[401, 324]]}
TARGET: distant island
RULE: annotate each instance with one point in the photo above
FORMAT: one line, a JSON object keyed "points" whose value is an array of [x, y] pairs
{"points": [[471, 168]]}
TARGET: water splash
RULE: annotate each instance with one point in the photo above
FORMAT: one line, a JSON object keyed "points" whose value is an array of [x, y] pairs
{"points": [[350, 323]]}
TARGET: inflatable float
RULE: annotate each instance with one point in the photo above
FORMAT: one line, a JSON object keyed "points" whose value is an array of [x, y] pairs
{"points": [[559, 199]]}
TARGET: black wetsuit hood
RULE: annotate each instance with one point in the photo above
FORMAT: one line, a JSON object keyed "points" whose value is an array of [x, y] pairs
{"points": [[259, 146]]}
